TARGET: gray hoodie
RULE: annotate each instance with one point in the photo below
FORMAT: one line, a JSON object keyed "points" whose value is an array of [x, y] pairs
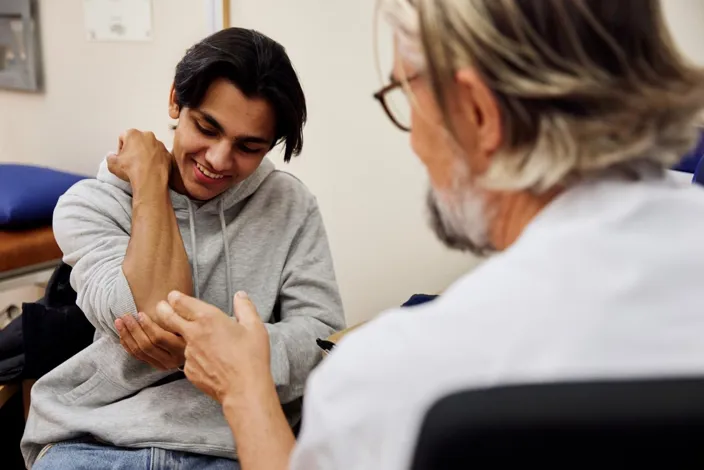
{"points": [[264, 236]]}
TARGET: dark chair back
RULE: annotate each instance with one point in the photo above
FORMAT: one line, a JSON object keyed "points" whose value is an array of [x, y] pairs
{"points": [[610, 424]]}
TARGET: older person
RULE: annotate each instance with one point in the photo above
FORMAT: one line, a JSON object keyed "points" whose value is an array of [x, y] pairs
{"points": [[546, 128]]}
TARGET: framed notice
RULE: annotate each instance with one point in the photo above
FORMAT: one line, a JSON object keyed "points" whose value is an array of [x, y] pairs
{"points": [[118, 20], [20, 58]]}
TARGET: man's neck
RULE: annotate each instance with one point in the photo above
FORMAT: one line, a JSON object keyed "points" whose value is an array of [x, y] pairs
{"points": [[513, 212]]}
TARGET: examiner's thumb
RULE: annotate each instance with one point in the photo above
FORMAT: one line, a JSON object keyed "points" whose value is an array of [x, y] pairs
{"points": [[245, 311]]}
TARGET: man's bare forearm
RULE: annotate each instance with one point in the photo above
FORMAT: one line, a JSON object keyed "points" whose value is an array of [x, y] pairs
{"points": [[156, 261], [263, 436]]}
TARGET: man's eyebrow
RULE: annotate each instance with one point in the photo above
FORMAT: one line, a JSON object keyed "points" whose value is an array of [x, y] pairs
{"points": [[245, 139], [211, 120], [252, 139]]}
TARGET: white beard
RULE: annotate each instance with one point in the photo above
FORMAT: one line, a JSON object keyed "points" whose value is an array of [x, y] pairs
{"points": [[459, 216]]}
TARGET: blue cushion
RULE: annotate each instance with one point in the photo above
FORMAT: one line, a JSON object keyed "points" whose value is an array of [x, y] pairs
{"points": [[28, 194]]}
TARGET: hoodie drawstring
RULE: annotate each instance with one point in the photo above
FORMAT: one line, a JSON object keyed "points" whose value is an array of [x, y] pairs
{"points": [[194, 249], [223, 225]]}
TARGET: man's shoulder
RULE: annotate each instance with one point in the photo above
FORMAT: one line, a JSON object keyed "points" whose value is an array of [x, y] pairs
{"points": [[286, 190], [464, 325], [93, 194], [280, 179], [377, 384], [92, 188], [386, 354]]}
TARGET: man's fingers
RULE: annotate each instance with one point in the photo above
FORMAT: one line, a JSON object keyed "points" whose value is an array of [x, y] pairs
{"points": [[158, 356], [169, 320], [125, 338], [159, 336], [189, 308], [128, 343], [245, 311]]}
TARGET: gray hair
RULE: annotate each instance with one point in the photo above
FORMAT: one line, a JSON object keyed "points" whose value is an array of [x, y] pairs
{"points": [[584, 86]]}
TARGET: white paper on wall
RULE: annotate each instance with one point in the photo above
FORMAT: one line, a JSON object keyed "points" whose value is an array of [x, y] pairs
{"points": [[118, 20]]}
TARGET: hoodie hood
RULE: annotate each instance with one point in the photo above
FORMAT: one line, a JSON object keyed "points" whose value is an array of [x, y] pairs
{"points": [[226, 200]]}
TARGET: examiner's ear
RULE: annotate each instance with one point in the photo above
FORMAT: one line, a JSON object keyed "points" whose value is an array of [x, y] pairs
{"points": [[481, 108], [174, 108]]}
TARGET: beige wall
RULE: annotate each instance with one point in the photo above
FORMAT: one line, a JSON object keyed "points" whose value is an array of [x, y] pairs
{"points": [[686, 19], [95, 90]]}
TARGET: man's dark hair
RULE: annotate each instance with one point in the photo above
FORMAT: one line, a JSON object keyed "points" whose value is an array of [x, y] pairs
{"points": [[258, 66]]}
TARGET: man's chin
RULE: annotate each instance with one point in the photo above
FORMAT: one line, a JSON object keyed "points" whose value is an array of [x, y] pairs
{"points": [[462, 229], [199, 193]]}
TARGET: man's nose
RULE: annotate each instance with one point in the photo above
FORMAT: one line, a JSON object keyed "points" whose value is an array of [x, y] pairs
{"points": [[219, 157]]}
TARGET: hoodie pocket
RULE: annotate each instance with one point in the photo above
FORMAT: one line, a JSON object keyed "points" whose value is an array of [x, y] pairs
{"points": [[96, 390], [101, 374], [81, 390]]}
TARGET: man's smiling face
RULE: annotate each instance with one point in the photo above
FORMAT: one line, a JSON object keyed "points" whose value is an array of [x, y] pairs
{"points": [[221, 142]]}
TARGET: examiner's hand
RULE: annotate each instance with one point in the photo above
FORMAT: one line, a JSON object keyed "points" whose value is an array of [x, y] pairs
{"points": [[225, 358], [139, 155], [150, 343]]}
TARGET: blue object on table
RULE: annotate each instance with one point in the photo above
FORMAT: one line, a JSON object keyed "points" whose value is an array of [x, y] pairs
{"points": [[690, 161], [418, 299], [699, 173], [28, 194]]}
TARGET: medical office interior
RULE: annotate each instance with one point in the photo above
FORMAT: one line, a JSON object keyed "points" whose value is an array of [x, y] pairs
{"points": [[99, 67]]}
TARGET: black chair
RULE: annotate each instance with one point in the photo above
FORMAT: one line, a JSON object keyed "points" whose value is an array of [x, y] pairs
{"points": [[609, 424]]}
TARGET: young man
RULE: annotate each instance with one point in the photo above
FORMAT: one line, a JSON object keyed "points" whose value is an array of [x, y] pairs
{"points": [[210, 218]]}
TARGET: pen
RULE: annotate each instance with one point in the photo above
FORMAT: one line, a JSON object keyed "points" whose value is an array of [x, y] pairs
{"points": [[326, 346]]}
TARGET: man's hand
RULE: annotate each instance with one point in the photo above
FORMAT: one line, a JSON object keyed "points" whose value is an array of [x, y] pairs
{"points": [[139, 154], [149, 343], [225, 358]]}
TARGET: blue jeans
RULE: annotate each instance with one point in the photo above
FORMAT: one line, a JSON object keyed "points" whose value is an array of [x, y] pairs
{"points": [[89, 456]]}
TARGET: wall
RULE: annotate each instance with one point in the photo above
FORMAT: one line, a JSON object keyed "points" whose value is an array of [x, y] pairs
{"points": [[94, 91], [686, 18]]}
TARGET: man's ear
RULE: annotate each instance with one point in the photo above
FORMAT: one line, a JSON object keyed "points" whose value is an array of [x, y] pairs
{"points": [[483, 109], [174, 108]]}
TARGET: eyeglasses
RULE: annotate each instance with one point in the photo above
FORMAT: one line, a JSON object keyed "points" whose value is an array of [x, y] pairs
{"points": [[396, 104]]}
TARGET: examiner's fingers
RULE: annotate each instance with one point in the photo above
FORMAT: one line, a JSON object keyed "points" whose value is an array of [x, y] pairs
{"points": [[169, 320], [245, 311], [189, 308]]}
